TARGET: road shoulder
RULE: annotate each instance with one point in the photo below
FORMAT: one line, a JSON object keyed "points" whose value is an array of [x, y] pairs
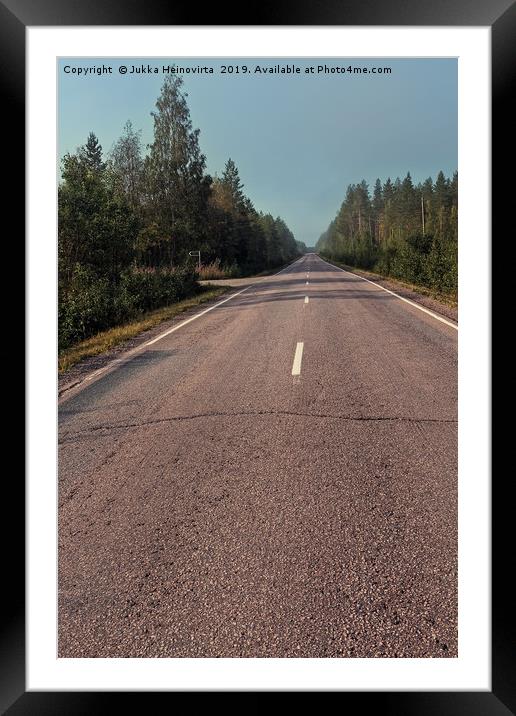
{"points": [[448, 310], [77, 373]]}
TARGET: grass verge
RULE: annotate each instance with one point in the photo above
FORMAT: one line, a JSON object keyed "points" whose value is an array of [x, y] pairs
{"points": [[417, 288], [105, 340]]}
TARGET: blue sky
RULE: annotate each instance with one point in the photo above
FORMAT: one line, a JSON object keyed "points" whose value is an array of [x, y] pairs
{"points": [[298, 140]]}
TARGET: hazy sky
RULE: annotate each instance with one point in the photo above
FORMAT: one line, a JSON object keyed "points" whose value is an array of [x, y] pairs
{"points": [[298, 140]]}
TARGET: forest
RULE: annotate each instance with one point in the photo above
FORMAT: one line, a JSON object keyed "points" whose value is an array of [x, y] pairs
{"points": [[403, 230], [127, 221]]}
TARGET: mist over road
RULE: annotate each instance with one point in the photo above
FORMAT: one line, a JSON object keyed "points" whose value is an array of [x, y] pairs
{"points": [[277, 478]]}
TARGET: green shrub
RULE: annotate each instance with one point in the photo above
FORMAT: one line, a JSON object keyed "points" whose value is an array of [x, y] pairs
{"points": [[92, 304], [87, 307], [421, 259]]}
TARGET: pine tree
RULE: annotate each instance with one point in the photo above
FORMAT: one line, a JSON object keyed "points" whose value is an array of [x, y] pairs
{"points": [[416, 230], [441, 201], [232, 187], [92, 154], [388, 192], [409, 205]]}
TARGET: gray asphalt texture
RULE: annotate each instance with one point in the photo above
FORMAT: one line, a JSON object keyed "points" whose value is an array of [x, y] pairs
{"points": [[213, 505]]}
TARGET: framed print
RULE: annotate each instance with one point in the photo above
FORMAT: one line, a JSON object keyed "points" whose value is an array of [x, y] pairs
{"points": [[260, 253]]}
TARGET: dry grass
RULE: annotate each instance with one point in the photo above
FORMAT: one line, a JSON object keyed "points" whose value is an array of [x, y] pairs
{"points": [[216, 271], [211, 271], [108, 339]]}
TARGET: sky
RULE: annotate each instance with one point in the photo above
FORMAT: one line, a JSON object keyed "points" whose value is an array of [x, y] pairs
{"points": [[298, 140]]}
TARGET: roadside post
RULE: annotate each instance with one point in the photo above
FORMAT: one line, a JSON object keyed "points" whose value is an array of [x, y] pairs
{"points": [[196, 253]]}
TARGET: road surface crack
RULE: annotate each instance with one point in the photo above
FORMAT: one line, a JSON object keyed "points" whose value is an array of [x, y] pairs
{"points": [[68, 437]]}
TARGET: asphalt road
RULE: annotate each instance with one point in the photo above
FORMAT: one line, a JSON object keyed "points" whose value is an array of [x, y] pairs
{"points": [[211, 503]]}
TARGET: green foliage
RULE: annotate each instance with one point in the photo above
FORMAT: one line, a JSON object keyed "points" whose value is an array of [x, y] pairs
{"points": [[86, 309], [91, 154], [236, 201], [405, 231], [96, 227], [127, 167], [239, 234], [177, 187], [93, 303], [126, 225]]}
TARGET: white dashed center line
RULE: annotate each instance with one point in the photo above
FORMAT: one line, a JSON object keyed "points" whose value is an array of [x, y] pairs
{"points": [[296, 367], [306, 299]]}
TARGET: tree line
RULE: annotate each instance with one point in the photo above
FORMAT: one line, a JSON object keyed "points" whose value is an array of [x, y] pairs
{"points": [[403, 230], [127, 221]]}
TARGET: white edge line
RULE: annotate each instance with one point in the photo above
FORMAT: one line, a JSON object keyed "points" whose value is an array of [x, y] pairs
{"points": [[296, 366], [412, 303], [179, 325], [193, 318]]}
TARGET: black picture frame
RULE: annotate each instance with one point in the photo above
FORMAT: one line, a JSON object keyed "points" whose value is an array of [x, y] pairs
{"points": [[500, 15]]}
